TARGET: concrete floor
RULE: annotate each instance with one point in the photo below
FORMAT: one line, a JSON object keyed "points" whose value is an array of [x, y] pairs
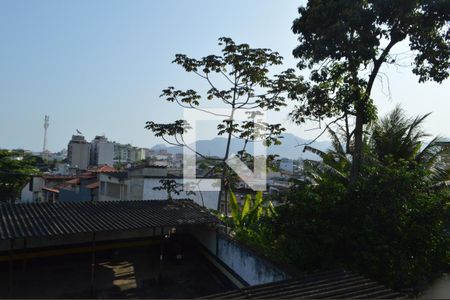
{"points": [[123, 273], [439, 289]]}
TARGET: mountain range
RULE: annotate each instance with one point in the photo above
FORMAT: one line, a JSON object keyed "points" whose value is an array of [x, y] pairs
{"points": [[291, 147]]}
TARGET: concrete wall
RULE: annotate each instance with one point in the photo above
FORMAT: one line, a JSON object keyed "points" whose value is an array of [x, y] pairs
{"points": [[247, 264], [80, 155], [251, 267], [105, 152], [136, 188], [81, 195], [206, 236], [26, 195], [148, 171], [106, 181]]}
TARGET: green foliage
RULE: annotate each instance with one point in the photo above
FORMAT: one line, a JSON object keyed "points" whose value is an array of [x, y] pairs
{"points": [[251, 212], [389, 226], [171, 186], [239, 79], [245, 71], [251, 223], [392, 224], [16, 169], [401, 238], [340, 39], [396, 137]]}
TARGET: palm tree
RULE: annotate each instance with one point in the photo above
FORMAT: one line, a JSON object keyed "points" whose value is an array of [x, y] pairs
{"points": [[335, 161], [391, 138], [397, 137]]}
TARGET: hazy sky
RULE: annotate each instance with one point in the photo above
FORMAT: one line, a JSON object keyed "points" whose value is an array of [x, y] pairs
{"points": [[100, 66]]}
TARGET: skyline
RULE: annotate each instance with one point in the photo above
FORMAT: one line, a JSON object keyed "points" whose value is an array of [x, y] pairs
{"points": [[102, 73]]}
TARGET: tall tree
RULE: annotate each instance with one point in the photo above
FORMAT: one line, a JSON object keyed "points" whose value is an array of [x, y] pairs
{"points": [[16, 169], [346, 42], [238, 80]]}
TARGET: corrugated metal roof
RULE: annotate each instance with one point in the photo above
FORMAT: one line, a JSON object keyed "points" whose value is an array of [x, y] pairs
{"points": [[65, 218], [333, 284]]}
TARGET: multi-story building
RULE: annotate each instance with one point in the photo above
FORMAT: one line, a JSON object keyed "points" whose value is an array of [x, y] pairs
{"points": [[136, 154], [102, 151], [128, 154], [121, 153], [78, 152]]}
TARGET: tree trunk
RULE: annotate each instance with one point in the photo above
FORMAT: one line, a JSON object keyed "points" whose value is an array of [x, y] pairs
{"points": [[358, 145]]}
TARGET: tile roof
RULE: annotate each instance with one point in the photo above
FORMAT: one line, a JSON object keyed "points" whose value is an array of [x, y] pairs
{"points": [[105, 169], [24, 220], [74, 181], [93, 185], [50, 189], [331, 284]]}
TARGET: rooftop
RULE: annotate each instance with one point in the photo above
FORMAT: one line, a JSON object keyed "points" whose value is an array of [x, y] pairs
{"points": [[26, 220], [333, 284]]}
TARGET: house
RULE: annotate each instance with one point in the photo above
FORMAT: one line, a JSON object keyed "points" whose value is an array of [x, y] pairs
{"points": [[122, 249], [145, 182], [44, 188], [79, 187]]}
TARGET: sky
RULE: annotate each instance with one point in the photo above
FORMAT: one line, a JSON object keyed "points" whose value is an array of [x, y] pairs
{"points": [[100, 66]]}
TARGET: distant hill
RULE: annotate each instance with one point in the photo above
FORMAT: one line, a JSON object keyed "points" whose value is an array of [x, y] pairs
{"points": [[289, 147]]}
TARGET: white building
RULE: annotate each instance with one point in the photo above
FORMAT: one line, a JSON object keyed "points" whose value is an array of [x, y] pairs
{"points": [[102, 151]]}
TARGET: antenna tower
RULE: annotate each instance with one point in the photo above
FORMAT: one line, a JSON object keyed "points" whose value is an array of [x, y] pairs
{"points": [[44, 150]]}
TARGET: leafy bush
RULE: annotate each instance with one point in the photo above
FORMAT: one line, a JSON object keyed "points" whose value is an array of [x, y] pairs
{"points": [[390, 226]]}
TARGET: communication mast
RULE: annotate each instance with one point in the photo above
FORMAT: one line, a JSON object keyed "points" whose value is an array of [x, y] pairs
{"points": [[45, 151]]}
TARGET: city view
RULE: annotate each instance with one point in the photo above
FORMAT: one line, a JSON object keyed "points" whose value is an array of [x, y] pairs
{"points": [[244, 149]]}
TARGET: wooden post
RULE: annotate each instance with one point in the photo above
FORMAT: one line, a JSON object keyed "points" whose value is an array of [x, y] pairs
{"points": [[11, 268], [93, 265]]}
